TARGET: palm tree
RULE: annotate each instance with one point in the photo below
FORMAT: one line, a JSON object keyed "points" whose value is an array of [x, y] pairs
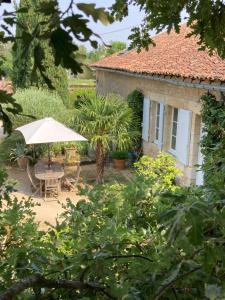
{"points": [[105, 121]]}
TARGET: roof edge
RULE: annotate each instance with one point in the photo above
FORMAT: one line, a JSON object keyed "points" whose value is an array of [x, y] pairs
{"points": [[176, 80]]}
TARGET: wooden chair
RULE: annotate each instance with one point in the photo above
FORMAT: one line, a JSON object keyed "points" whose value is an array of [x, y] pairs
{"points": [[52, 187], [70, 183], [36, 185]]}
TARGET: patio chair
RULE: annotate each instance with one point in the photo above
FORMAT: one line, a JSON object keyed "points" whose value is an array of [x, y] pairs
{"points": [[52, 187], [35, 184], [70, 183]]}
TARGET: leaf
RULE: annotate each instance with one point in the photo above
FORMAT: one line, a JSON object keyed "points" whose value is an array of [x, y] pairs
{"points": [[98, 14], [213, 291], [169, 279], [65, 50]]}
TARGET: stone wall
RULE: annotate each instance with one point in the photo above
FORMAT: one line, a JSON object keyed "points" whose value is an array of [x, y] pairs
{"points": [[170, 95]]}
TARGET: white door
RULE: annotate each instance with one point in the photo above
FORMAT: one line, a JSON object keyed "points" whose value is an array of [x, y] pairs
{"points": [[200, 173], [183, 135], [146, 119]]}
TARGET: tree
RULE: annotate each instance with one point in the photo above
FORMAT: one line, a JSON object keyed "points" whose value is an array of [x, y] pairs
{"points": [[7, 62], [115, 46], [23, 75], [106, 50], [105, 121], [205, 18]]}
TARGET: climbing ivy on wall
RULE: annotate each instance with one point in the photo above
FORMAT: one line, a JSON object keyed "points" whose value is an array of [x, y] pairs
{"points": [[213, 140], [135, 102]]}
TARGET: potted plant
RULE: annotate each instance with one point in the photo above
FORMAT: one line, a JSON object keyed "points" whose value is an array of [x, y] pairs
{"points": [[119, 159], [20, 154]]}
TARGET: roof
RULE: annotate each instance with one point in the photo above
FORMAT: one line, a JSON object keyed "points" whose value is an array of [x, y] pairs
{"points": [[173, 55]]}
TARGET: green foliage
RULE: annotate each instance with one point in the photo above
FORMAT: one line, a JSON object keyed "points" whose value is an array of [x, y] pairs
{"points": [[7, 63], [161, 170], [8, 106], [126, 241], [40, 104], [24, 74], [204, 18], [103, 51], [21, 150], [9, 143], [213, 140], [105, 121], [56, 74], [135, 102], [78, 95], [120, 155]]}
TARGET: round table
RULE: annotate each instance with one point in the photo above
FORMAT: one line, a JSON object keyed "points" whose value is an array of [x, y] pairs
{"points": [[43, 172]]}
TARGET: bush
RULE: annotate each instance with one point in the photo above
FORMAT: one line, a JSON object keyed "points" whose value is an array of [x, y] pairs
{"points": [[7, 144], [40, 104], [120, 155], [161, 170], [135, 102], [78, 95]]}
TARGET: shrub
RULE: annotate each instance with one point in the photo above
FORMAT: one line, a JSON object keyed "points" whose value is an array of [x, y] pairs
{"points": [[161, 170], [120, 155], [40, 104], [78, 95], [135, 102], [7, 144]]}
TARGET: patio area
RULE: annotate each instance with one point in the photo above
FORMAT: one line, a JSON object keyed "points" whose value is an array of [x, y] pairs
{"points": [[49, 209]]}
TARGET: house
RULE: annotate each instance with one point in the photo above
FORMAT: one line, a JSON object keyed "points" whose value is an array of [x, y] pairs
{"points": [[173, 75]]}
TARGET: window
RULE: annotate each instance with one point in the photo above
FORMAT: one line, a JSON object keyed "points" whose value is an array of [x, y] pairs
{"points": [[157, 125], [174, 129], [146, 118], [158, 135]]}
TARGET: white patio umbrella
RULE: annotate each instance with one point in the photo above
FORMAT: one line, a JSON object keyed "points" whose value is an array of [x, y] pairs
{"points": [[48, 130]]}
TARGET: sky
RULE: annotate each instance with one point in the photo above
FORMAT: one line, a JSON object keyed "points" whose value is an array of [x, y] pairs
{"points": [[118, 31]]}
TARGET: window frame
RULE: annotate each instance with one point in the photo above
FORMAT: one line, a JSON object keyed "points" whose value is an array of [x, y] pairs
{"points": [[159, 121], [172, 150]]}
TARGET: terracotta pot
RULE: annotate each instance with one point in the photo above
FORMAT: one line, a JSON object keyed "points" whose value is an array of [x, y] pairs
{"points": [[119, 164], [22, 162]]}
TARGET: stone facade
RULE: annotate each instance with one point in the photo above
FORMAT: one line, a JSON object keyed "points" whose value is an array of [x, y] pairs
{"points": [[171, 95]]}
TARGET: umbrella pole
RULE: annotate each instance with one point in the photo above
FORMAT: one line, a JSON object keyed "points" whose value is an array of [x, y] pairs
{"points": [[33, 150], [49, 157]]}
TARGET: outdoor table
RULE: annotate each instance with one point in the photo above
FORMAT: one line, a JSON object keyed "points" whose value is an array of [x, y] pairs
{"points": [[43, 172]]}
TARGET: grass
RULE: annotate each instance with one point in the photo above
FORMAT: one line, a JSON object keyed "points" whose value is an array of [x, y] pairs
{"points": [[81, 81]]}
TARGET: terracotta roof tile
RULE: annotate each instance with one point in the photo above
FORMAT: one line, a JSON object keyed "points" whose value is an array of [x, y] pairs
{"points": [[173, 55]]}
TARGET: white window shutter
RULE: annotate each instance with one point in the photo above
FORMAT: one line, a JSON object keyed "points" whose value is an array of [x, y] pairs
{"points": [[161, 121], [183, 135], [145, 121]]}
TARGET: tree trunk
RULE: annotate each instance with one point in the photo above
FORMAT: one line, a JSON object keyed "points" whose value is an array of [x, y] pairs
{"points": [[100, 161]]}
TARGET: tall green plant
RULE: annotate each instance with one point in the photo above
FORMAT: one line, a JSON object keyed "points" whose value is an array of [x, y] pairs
{"points": [[135, 102], [105, 121], [213, 140], [24, 73], [40, 104]]}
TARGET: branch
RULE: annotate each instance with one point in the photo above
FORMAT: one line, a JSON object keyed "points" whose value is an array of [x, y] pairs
{"points": [[128, 256], [40, 281], [68, 9], [166, 287]]}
